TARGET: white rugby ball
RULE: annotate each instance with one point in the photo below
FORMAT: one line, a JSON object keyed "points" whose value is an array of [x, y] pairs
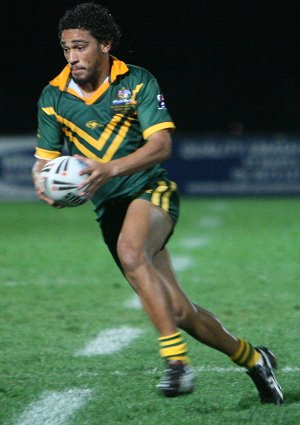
{"points": [[61, 178]]}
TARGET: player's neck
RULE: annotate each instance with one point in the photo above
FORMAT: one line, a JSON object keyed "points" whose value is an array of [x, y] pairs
{"points": [[89, 89]]}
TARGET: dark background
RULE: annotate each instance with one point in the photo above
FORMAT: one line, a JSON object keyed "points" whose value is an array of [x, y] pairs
{"points": [[223, 66]]}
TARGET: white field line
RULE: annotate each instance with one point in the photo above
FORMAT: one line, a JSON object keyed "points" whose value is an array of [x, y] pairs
{"points": [[289, 369], [210, 222], [219, 206], [286, 369], [198, 371], [181, 263], [217, 369], [54, 408], [134, 303], [110, 341], [193, 242]]}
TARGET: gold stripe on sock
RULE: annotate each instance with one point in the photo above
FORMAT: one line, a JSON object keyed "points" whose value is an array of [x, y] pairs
{"points": [[171, 341], [239, 351], [183, 359], [254, 360], [175, 350], [169, 337], [246, 355], [173, 347]]}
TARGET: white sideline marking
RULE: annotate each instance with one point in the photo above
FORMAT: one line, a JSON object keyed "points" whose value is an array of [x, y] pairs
{"points": [[54, 408], [133, 303], [194, 242], [210, 222], [181, 263], [286, 369], [218, 369], [198, 369], [219, 206], [110, 341]]}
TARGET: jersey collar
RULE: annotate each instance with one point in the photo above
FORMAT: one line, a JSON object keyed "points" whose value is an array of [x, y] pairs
{"points": [[62, 80]]}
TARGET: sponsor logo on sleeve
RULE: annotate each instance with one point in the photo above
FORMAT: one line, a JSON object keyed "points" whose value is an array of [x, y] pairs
{"points": [[161, 101]]}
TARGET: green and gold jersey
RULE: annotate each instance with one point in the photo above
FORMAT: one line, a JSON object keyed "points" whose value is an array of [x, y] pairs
{"points": [[111, 124]]}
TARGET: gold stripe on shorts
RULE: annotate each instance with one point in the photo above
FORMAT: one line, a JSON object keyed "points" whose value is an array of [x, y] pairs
{"points": [[161, 195]]}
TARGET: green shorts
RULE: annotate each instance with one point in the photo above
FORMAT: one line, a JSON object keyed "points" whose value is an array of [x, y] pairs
{"points": [[162, 193]]}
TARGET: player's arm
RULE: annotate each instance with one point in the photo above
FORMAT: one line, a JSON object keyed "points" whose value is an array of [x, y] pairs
{"points": [[156, 150], [50, 139]]}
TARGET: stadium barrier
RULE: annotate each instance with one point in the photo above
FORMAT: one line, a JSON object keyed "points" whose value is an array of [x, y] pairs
{"points": [[202, 165], [16, 160], [245, 165]]}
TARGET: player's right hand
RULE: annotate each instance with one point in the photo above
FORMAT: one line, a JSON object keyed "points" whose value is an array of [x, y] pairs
{"points": [[43, 197], [37, 181]]}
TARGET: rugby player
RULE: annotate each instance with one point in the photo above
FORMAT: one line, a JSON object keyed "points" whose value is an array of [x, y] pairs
{"points": [[113, 116]]}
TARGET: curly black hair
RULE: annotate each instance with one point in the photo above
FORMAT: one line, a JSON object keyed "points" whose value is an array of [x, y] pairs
{"points": [[94, 18]]}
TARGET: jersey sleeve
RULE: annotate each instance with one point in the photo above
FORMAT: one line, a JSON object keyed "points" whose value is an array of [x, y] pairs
{"points": [[50, 140], [153, 114]]}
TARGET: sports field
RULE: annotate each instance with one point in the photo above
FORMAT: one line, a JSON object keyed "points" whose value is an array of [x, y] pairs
{"points": [[76, 347]]}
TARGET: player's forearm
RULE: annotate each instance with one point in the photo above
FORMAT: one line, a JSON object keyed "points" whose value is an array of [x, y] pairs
{"points": [[153, 152], [37, 166]]}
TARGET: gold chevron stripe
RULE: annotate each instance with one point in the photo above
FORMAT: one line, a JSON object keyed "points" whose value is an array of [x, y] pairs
{"points": [[97, 144]]}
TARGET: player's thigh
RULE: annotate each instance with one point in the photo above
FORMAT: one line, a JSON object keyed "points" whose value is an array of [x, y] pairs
{"points": [[145, 229]]}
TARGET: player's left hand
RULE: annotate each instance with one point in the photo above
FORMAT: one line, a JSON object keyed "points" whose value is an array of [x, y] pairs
{"points": [[99, 174]]}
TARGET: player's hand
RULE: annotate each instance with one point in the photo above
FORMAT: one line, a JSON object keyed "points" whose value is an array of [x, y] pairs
{"points": [[37, 181], [45, 198], [99, 174]]}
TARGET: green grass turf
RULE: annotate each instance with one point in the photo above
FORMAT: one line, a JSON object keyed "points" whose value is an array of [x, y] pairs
{"points": [[59, 288]]}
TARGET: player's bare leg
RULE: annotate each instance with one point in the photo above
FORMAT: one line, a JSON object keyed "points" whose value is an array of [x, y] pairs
{"points": [[143, 234], [149, 271], [205, 327], [195, 320], [144, 231]]}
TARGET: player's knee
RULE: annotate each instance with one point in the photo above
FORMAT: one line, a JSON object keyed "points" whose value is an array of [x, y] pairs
{"points": [[130, 257], [181, 315]]}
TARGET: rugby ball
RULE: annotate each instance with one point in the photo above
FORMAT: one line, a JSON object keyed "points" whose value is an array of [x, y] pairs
{"points": [[60, 179]]}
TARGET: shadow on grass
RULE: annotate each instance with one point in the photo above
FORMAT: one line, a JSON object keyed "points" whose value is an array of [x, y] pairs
{"points": [[246, 403], [291, 397]]}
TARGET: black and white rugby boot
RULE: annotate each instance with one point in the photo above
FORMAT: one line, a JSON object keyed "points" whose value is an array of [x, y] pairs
{"points": [[178, 379], [264, 379]]}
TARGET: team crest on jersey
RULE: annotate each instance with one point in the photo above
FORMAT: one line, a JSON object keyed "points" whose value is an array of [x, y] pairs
{"points": [[123, 97], [161, 101]]}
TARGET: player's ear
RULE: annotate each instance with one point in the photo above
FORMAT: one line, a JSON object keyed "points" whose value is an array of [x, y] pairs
{"points": [[105, 46]]}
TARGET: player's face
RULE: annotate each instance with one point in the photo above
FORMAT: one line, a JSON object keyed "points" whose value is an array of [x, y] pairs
{"points": [[84, 54]]}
